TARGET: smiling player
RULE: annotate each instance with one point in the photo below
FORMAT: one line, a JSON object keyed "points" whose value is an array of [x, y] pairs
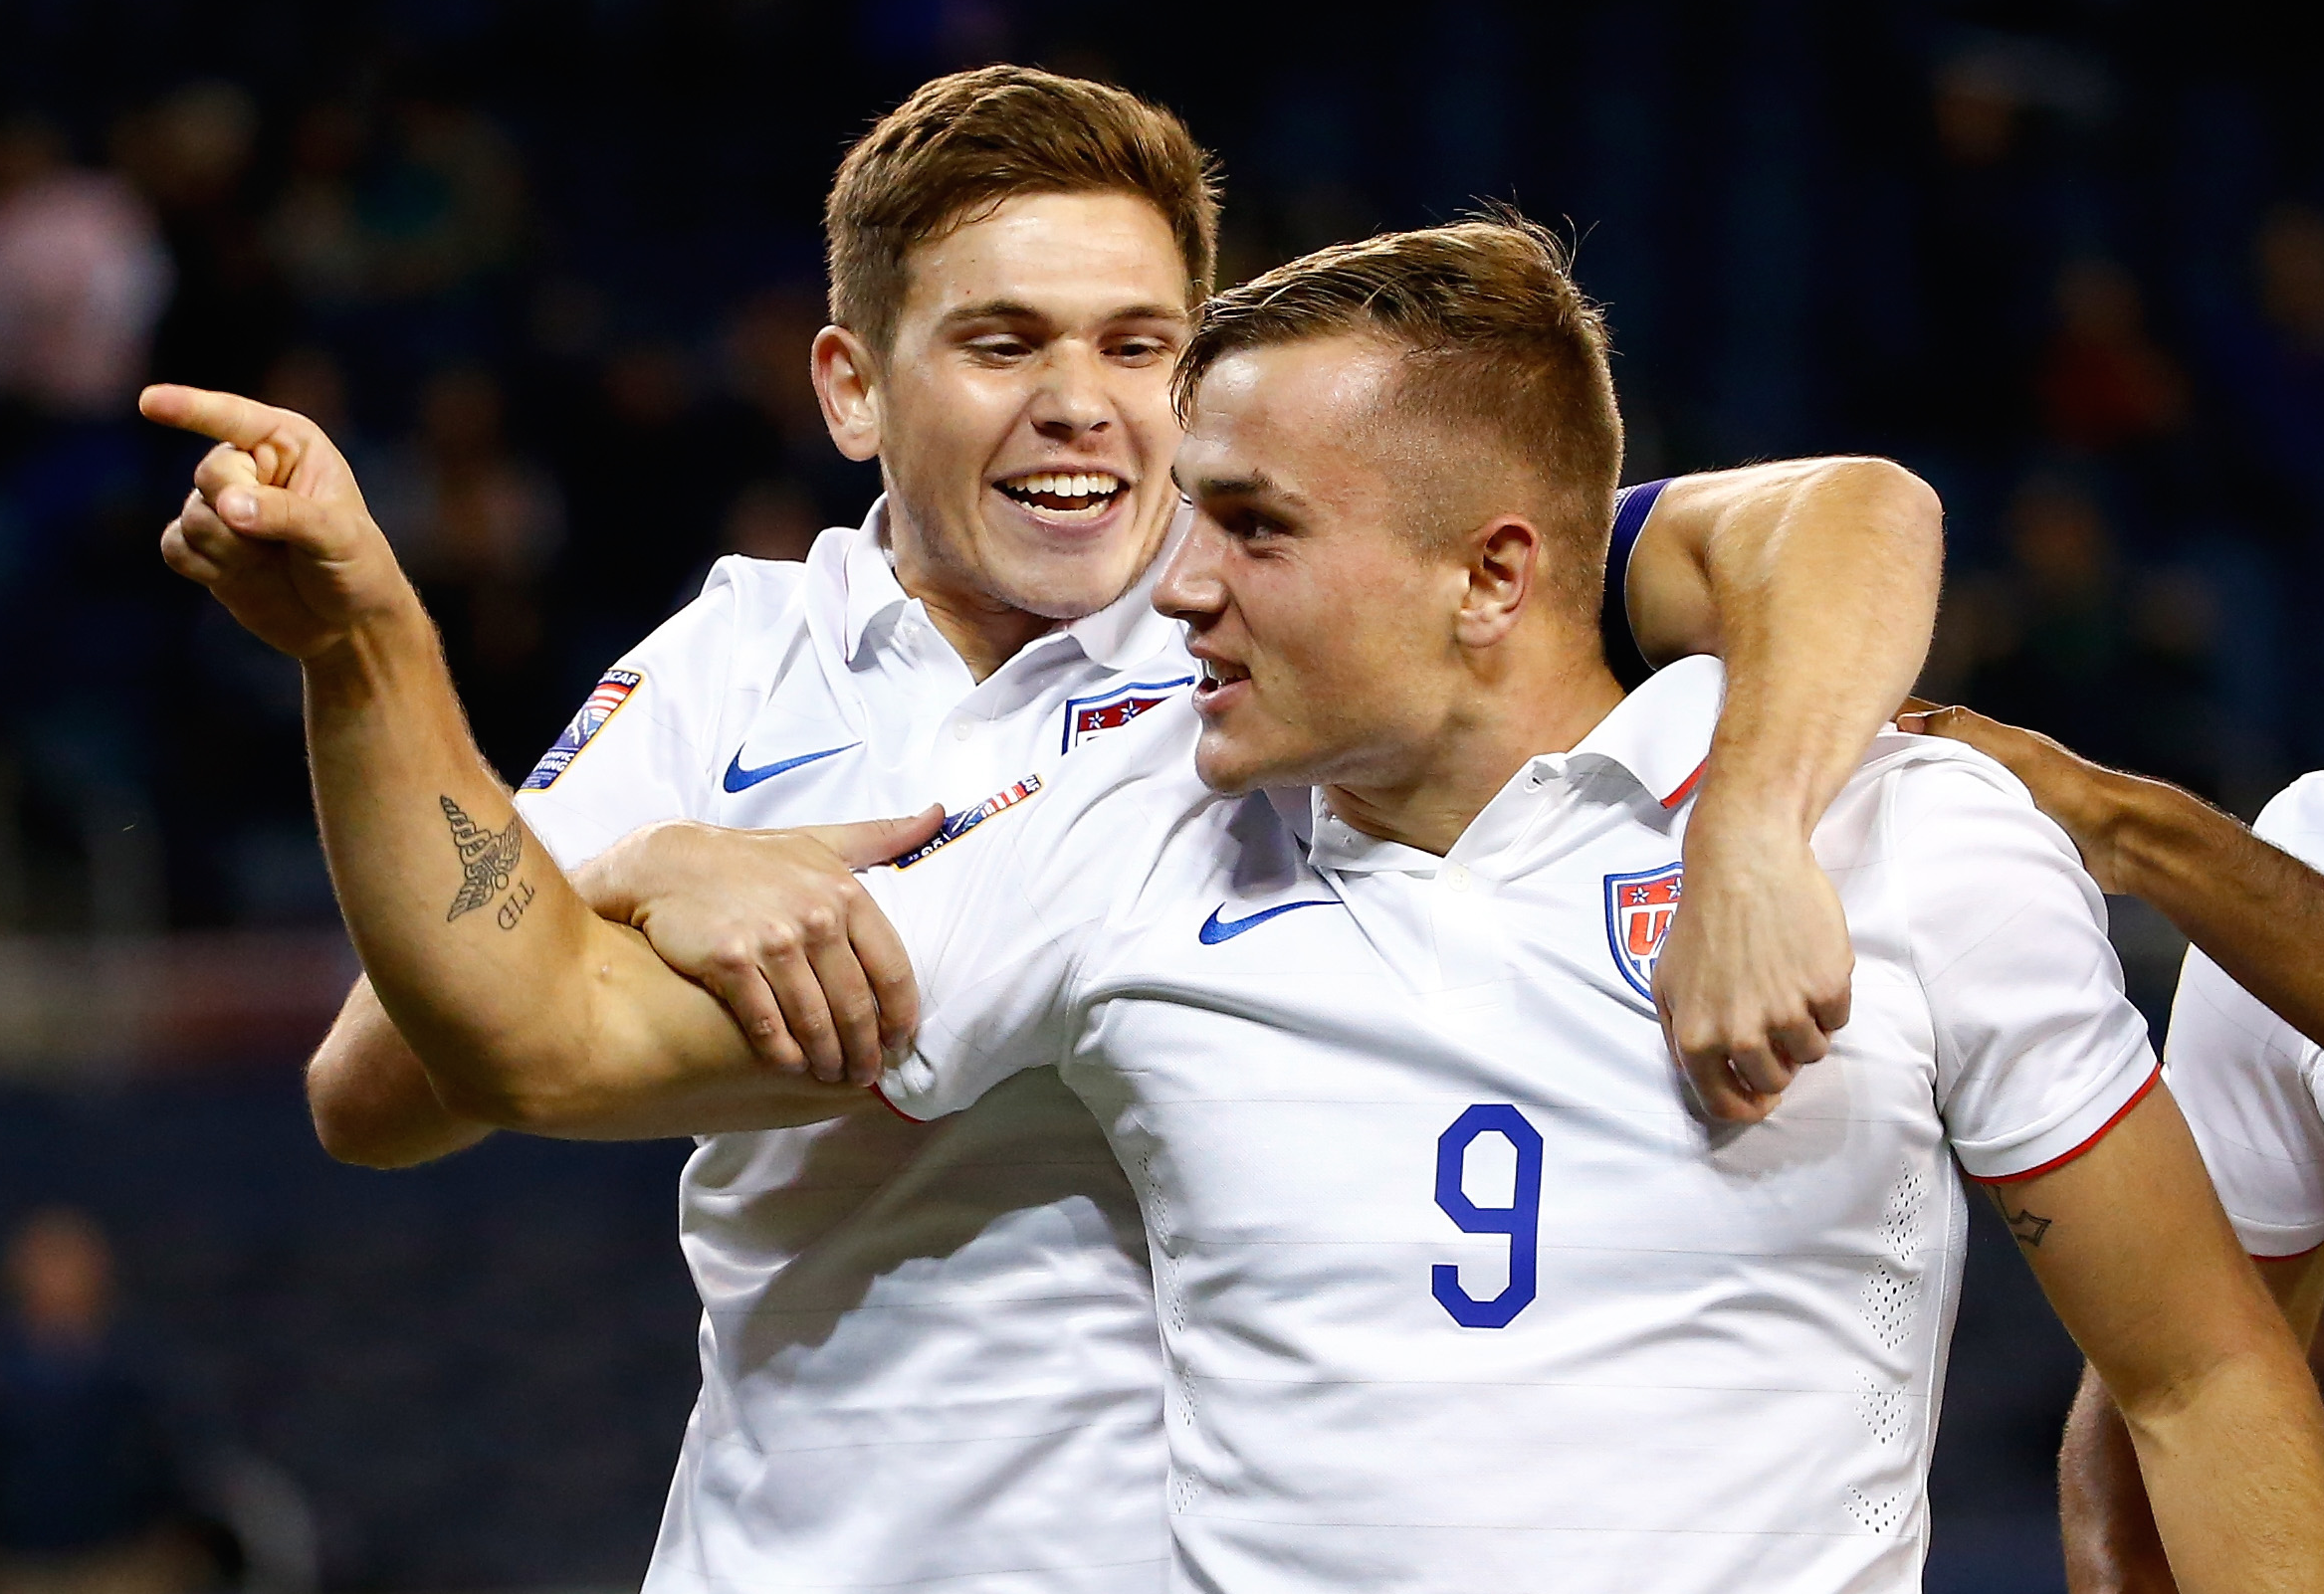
{"points": [[1454, 1287], [928, 1353]]}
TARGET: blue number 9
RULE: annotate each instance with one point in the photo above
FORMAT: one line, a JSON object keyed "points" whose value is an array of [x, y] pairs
{"points": [[1521, 1220]]}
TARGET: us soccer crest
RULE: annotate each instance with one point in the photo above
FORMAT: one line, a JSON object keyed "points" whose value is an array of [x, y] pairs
{"points": [[1089, 716], [1639, 911]]}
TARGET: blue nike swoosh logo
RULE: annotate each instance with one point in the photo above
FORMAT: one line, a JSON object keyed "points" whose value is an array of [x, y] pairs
{"points": [[1216, 930], [741, 779]]}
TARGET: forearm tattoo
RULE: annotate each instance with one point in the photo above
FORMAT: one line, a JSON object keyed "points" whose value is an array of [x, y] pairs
{"points": [[486, 859]]}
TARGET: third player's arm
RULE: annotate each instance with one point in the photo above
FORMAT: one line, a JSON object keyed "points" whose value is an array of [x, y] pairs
{"points": [[2216, 1401], [1815, 581], [2256, 909], [2111, 1545]]}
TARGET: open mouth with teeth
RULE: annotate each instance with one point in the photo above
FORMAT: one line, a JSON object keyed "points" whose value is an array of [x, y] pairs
{"points": [[1066, 495], [1217, 675]]}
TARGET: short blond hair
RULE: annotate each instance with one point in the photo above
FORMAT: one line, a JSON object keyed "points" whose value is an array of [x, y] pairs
{"points": [[1496, 341], [966, 143]]}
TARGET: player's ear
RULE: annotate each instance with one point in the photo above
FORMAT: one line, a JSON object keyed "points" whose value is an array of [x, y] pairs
{"points": [[846, 385], [1504, 555]]}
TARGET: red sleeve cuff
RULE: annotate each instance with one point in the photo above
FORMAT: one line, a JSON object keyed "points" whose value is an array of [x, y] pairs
{"points": [[2104, 1129], [891, 1107]]}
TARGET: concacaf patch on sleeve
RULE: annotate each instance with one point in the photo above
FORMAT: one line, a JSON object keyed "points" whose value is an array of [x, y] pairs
{"points": [[1087, 716], [1639, 911], [958, 825], [611, 693]]}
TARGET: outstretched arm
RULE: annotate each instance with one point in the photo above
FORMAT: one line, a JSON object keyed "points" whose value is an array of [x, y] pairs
{"points": [[2256, 911], [527, 1008], [2215, 1397], [1816, 580]]}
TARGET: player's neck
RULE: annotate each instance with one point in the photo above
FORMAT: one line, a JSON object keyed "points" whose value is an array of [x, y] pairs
{"points": [[985, 635], [1544, 703], [983, 630]]}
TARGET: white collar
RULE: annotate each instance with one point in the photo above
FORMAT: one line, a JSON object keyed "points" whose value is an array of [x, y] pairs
{"points": [[1661, 734], [868, 572], [1126, 632], [1658, 738]]}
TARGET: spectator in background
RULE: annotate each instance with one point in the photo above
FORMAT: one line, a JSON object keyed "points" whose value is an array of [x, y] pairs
{"points": [[390, 226], [767, 423], [83, 280], [2105, 384], [418, 214], [645, 494], [2068, 641], [190, 154], [90, 1490], [313, 233], [83, 277], [447, 205], [478, 525]]}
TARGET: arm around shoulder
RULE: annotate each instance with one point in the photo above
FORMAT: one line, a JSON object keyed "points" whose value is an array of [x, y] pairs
{"points": [[1815, 581]]}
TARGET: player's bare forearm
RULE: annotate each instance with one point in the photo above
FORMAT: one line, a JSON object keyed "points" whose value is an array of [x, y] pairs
{"points": [[2254, 909], [2108, 1528], [527, 1009], [2111, 1543], [372, 1100], [2135, 1255], [1816, 580], [777, 925]]}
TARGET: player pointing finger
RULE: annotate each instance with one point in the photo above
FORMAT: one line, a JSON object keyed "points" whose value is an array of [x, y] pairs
{"points": [[276, 527]]}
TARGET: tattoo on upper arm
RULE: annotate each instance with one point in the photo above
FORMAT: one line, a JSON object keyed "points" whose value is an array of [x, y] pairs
{"points": [[487, 858], [2028, 1226]]}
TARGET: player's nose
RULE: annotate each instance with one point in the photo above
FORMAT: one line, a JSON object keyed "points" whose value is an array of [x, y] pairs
{"points": [[1070, 401], [1191, 587]]}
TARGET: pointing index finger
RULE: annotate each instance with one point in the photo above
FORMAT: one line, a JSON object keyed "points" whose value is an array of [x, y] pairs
{"points": [[228, 417]]}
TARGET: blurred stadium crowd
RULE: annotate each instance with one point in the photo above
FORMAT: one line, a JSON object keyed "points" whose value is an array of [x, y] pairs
{"points": [[549, 273]]}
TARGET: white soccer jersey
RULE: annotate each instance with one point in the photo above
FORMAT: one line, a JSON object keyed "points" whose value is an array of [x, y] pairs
{"points": [[1457, 1293], [2248, 1082], [929, 1354]]}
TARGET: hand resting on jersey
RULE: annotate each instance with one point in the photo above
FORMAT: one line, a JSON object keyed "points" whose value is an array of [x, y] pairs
{"points": [[777, 925]]}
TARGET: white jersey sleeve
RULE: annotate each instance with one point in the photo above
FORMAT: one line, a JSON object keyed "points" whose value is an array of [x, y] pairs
{"points": [[2038, 1051], [644, 745], [998, 911], [2247, 1080]]}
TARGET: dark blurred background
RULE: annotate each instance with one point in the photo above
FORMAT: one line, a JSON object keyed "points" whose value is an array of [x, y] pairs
{"points": [[547, 272]]}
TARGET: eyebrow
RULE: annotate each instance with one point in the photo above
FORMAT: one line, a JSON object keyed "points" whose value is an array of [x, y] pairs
{"points": [[1011, 309], [1254, 485]]}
